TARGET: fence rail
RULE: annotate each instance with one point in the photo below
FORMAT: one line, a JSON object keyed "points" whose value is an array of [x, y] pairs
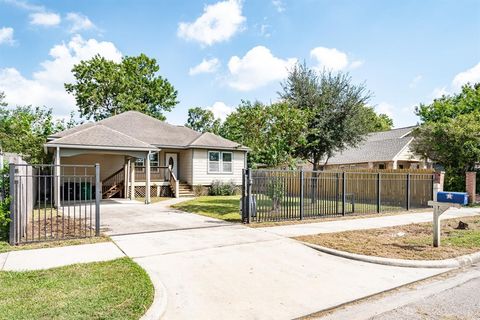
{"points": [[277, 195], [53, 202]]}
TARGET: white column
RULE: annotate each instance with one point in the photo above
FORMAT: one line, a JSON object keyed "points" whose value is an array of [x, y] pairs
{"points": [[125, 177], [57, 172], [147, 179], [132, 179], [394, 164]]}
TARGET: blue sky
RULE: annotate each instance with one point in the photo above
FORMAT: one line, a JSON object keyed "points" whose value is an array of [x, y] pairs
{"points": [[217, 53]]}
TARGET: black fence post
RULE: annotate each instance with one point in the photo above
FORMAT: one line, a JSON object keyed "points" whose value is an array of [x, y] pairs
{"points": [[379, 199], [98, 195], [301, 194], [337, 192], [243, 196], [249, 195], [408, 192], [344, 192], [13, 220]]}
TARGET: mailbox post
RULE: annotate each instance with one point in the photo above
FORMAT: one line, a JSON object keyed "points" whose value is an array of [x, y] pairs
{"points": [[438, 209]]}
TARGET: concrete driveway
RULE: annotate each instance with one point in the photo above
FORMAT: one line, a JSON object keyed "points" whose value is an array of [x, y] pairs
{"points": [[216, 270], [130, 217]]}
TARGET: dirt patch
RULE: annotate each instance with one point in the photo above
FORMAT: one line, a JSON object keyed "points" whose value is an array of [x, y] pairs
{"points": [[413, 241]]}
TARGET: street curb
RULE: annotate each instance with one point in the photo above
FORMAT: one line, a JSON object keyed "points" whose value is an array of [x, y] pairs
{"points": [[458, 262], [159, 304]]}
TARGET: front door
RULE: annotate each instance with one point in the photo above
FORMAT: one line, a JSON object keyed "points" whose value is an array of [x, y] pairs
{"points": [[171, 161]]}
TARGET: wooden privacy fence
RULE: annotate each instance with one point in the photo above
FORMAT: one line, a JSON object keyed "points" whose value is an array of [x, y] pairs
{"points": [[276, 195]]}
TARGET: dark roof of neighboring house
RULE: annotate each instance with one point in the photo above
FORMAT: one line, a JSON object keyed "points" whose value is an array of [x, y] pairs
{"points": [[379, 146], [133, 129]]}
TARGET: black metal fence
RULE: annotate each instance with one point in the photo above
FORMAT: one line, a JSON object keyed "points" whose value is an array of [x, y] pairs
{"points": [[276, 195], [53, 202]]}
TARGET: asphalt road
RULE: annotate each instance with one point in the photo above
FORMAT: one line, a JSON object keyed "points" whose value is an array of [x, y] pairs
{"points": [[451, 296], [460, 302]]}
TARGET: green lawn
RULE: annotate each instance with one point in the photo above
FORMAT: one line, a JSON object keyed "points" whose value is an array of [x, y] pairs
{"points": [[117, 289], [5, 246], [220, 207]]}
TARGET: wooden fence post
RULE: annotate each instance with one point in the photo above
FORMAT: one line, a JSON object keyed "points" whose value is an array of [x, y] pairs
{"points": [[344, 192], [408, 192], [379, 186]]}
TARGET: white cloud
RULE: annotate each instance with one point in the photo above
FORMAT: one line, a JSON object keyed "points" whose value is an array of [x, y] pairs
{"points": [[333, 59], [471, 75], [264, 30], [206, 66], [45, 87], [415, 81], [257, 68], [25, 5], [439, 92], [79, 22], [219, 22], [385, 108], [6, 35], [46, 19], [278, 4], [220, 110]]}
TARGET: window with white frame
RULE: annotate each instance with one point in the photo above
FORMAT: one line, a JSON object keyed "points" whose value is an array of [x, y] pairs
{"points": [[154, 162], [220, 162]]}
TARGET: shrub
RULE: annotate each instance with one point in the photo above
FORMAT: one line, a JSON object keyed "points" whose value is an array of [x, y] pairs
{"points": [[220, 188], [4, 204], [199, 190]]}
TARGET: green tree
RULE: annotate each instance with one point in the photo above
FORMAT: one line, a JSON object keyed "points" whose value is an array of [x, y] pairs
{"points": [[25, 129], [271, 131], [450, 134], [104, 88], [376, 122], [203, 120], [333, 108]]}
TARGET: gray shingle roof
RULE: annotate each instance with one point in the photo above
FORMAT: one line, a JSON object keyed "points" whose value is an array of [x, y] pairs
{"points": [[143, 131], [102, 136], [379, 146]]}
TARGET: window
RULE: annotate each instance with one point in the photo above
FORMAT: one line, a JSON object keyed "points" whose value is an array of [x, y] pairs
{"points": [[381, 166], [220, 162], [140, 162]]}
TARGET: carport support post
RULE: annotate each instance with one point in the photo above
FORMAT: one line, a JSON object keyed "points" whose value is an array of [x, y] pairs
{"points": [[132, 180], [57, 173], [98, 195], [147, 180], [13, 218]]}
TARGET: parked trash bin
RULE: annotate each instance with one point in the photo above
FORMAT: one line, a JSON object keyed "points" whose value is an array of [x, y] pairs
{"points": [[453, 197]]}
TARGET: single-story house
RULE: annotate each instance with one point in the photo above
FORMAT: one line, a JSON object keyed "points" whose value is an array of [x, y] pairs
{"points": [[381, 150], [178, 157]]}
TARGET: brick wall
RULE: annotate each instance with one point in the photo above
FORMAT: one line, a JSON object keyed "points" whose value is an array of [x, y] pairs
{"points": [[470, 185]]}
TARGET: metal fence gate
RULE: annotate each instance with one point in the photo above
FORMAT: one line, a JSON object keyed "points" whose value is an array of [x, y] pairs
{"points": [[277, 195], [53, 202]]}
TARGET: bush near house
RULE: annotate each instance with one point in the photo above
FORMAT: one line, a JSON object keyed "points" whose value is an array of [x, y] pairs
{"points": [[220, 188]]}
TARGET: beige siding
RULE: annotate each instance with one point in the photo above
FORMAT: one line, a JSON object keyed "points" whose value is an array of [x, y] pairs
{"points": [[200, 168], [109, 163]]}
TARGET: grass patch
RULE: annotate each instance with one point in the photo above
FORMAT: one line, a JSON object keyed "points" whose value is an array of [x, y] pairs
{"points": [[117, 289], [154, 199], [5, 246], [413, 241], [221, 207]]}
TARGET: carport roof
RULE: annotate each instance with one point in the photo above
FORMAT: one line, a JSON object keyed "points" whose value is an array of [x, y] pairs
{"points": [[137, 130]]}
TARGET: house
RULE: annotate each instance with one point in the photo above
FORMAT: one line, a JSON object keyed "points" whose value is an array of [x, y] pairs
{"points": [[178, 157], [381, 150]]}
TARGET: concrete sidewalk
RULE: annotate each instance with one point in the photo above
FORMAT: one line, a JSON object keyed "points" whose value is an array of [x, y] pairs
{"points": [[340, 225], [37, 259]]}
